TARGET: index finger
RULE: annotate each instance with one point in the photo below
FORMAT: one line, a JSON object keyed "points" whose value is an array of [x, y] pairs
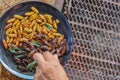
{"points": [[38, 57], [48, 56]]}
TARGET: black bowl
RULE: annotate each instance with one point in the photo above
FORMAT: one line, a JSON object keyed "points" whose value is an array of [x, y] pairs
{"points": [[64, 28]]}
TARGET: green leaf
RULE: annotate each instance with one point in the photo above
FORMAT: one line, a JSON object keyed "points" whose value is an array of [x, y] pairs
{"points": [[21, 56], [18, 49], [12, 50], [31, 65], [49, 27], [35, 43]]}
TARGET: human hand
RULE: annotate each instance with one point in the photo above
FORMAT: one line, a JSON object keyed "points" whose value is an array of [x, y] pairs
{"points": [[48, 67]]}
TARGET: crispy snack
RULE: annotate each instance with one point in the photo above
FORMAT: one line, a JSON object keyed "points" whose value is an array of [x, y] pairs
{"points": [[15, 22], [33, 22], [34, 9], [51, 36], [8, 26], [30, 33], [48, 18], [5, 44], [57, 34], [61, 38], [55, 24], [29, 13], [11, 20], [42, 17], [18, 17]]}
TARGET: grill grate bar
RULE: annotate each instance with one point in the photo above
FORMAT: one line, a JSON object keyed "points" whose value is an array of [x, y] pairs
{"points": [[96, 27]]}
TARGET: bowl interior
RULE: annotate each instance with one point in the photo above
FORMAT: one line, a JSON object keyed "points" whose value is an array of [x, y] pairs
{"points": [[64, 28]]}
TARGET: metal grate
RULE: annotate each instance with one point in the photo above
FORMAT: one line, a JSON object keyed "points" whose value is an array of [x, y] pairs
{"points": [[96, 31]]}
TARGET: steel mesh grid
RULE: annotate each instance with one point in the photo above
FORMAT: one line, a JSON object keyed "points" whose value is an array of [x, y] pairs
{"points": [[95, 26]]}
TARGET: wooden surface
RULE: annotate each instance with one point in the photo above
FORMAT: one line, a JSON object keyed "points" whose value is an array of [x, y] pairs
{"points": [[58, 4], [6, 4], [5, 75]]}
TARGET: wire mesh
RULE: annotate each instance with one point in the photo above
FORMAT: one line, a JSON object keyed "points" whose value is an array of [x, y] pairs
{"points": [[96, 30]]}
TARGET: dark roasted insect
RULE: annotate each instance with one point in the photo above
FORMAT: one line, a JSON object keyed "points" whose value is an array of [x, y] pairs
{"points": [[23, 56]]}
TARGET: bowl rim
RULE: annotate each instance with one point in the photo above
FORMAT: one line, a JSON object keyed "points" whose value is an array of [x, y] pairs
{"points": [[24, 76]]}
